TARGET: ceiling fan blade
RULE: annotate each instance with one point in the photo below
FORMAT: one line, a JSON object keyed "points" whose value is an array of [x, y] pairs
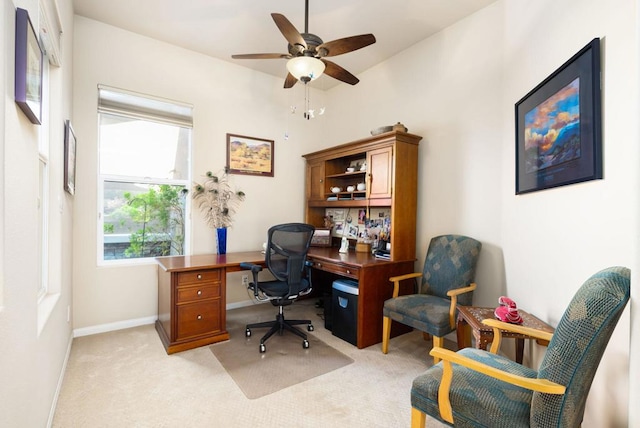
{"points": [[348, 44], [334, 70], [261, 56], [289, 32], [289, 81]]}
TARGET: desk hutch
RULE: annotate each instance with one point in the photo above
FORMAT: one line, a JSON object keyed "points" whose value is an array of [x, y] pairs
{"points": [[391, 177]]}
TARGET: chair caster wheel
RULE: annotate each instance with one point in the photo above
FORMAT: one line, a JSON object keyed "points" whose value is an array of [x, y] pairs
{"points": [[247, 333], [310, 327], [305, 344], [263, 348]]}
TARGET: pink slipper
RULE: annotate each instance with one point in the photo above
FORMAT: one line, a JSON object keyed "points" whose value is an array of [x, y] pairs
{"points": [[508, 311]]}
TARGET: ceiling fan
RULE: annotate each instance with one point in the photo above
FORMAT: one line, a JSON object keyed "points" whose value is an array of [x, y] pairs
{"points": [[307, 52]]}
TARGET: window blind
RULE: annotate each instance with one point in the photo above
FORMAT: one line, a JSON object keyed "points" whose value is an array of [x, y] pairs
{"points": [[131, 104]]}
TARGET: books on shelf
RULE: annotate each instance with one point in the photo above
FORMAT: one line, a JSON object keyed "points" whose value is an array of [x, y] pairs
{"points": [[382, 254]]}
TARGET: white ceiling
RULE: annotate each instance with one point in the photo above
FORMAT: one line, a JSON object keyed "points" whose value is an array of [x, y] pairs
{"points": [[220, 28]]}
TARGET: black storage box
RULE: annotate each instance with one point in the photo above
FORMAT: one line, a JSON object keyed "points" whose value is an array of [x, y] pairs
{"points": [[344, 310]]}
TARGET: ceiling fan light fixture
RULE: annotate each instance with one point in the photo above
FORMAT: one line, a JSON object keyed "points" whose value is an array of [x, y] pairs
{"points": [[305, 68]]}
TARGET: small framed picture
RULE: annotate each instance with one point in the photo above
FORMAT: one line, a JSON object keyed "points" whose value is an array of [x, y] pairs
{"points": [[249, 155], [69, 158]]}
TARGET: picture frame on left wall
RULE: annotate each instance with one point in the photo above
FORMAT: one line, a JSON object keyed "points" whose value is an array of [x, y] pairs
{"points": [[70, 143], [28, 69]]}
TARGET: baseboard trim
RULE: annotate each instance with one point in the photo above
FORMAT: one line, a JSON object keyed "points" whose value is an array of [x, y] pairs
{"points": [[63, 370], [119, 325], [244, 304]]}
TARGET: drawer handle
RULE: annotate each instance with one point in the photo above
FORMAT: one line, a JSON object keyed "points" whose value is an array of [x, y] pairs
{"points": [[199, 293], [199, 317], [348, 271], [199, 276], [319, 265]]}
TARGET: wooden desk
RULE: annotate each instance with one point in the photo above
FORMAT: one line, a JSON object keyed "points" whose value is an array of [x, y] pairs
{"points": [[470, 318], [192, 293], [373, 276], [192, 298]]}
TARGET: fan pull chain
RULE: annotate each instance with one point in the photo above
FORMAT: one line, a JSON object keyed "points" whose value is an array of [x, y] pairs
{"points": [[308, 113]]}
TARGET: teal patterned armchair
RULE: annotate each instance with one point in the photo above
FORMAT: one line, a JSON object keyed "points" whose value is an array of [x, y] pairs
{"points": [[476, 388], [447, 280]]}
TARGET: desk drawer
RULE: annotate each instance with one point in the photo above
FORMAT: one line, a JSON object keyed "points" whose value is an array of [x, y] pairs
{"points": [[197, 319], [198, 276], [197, 292], [343, 270]]}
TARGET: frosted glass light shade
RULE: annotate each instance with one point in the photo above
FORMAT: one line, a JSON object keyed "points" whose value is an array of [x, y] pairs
{"points": [[305, 68]]}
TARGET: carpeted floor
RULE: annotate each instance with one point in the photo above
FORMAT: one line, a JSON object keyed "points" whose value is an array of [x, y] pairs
{"points": [[125, 379]]}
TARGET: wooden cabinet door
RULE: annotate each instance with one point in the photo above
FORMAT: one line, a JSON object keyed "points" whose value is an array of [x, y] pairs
{"points": [[315, 181], [380, 176]]}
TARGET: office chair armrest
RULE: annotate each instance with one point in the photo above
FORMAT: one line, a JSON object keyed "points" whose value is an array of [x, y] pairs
{"points": [[253, 285], [448, 357], [498, 326], [250, 266], [396, 281], [454, 301]]}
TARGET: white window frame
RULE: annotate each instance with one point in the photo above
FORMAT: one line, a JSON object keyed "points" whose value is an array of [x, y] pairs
{"points": [[112, 105], [43, 183]]}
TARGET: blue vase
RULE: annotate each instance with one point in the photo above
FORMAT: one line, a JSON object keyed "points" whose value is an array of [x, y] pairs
{"points": [[222, 240]]}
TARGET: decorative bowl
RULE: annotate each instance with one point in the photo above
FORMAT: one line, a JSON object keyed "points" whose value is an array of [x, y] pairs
{"points": [[361, 186], [351, 169], [381, 130], [336, 189], [350, 188]]}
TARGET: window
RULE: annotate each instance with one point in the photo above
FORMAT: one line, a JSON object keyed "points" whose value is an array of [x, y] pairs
{"points": [[144, 175], [43, 187]]}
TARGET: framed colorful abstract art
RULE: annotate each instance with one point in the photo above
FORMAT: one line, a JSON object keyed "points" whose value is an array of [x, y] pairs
{"points": [[558, 126]]}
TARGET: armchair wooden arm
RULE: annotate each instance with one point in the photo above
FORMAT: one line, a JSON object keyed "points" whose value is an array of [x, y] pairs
{"points": [[454, 301], [396, 281], [498, 326], [448, 357]]}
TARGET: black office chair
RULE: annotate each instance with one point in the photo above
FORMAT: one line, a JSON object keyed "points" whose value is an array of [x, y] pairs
{"points": [[286, 259]]}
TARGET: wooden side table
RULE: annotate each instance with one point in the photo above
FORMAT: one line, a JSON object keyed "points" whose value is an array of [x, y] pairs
{"points": [[470, 321]]}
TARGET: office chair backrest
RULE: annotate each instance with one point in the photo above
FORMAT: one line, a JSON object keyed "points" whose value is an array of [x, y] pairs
{"points": [[577, 347], [287, 246], [450, 263]]}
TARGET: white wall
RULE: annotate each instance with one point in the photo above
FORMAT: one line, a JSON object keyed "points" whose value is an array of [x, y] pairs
{"points": [[36, 336], [458, 89], [226, 99]]}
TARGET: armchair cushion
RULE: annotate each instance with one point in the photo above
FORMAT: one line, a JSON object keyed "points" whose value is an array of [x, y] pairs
{"points": [[477, 399], [421, 311]]}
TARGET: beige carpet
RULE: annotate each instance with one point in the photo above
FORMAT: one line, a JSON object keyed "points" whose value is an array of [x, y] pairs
{"points": [[284, 364], [126, 379]]}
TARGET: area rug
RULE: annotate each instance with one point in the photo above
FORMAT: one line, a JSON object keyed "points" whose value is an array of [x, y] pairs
{"points": [[285, 363]]}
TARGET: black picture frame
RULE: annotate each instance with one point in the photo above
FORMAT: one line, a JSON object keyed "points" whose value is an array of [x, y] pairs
{"points": [[28, 69], [249, 155], [70, 144], [559, 128]]}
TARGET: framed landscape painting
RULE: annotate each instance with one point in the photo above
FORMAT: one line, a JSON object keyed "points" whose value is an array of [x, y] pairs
{"points": [[249, 155], [558, 126]]}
